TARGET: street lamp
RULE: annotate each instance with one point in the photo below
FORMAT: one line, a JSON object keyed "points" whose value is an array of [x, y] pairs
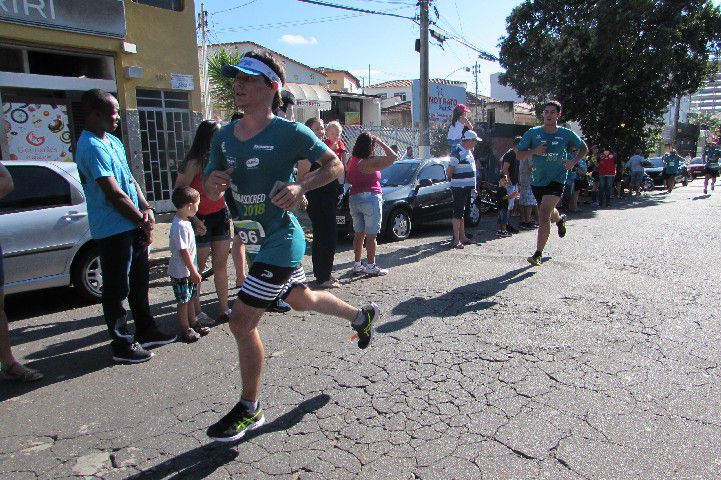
{"points": [[467, 69]]}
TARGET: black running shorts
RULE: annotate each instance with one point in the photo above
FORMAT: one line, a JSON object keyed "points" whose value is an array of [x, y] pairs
{"points": [[553, 188], [265, 283]]}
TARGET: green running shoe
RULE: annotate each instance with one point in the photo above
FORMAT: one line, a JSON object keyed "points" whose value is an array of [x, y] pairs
{"points": [[364, 331], [233, 426], [535, 260]]}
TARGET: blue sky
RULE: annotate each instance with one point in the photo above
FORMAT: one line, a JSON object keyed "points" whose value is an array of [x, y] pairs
{"points": [[326, 37]]}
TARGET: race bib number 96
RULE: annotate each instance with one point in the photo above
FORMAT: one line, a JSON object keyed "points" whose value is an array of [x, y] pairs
{"points": [[251, 233]]}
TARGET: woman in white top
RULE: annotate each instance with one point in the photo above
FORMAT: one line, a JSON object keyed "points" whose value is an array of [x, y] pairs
{"points": [[459, 123]]}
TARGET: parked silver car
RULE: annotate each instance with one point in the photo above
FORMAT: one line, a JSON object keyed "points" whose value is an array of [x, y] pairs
{"points": [[44, 231]]}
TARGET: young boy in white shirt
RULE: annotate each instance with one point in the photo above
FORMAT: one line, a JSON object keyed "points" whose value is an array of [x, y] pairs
{"points": [[183, 265]]}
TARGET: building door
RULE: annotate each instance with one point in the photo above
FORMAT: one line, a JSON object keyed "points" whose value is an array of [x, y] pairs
{"points": [[165, 136]]}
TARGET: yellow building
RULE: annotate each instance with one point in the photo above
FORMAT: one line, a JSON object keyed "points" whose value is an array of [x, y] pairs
{"points": [[142, 51]]}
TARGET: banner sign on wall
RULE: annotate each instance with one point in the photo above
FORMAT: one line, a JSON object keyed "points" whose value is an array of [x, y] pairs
{"points": [[96, 17], [442, 99], [37, 131]]}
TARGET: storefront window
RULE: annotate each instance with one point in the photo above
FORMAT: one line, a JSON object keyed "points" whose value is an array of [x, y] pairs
{"points": [[11, 60], [69, 65], [176, 5]]}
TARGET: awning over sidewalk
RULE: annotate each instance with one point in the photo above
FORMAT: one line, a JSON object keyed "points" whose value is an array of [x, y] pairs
{"points": [[310, 96]]}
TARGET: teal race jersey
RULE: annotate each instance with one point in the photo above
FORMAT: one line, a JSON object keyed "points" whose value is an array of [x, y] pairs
{"points": [[671, 163], [550, 167], [713, 164], [271, 235]]}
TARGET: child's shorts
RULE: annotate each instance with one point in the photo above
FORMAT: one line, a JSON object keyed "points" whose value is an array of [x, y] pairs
{"points": [[183, 289]]}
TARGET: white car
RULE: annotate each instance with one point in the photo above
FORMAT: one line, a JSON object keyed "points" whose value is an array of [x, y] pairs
{"points": [[44, 231]]}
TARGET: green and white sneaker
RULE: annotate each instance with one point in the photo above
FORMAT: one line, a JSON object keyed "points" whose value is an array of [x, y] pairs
{"points": [[233, 426], [535, 260], [364, 331]]}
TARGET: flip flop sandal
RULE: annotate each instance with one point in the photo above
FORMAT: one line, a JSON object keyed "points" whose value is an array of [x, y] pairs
{"points": [[20, 373], [200, 330]]}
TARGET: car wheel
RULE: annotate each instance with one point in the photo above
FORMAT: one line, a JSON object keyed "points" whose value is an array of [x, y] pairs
{"points": [[473, 214], [399, 225], [87, 275], [648, 185], [485, 202]]}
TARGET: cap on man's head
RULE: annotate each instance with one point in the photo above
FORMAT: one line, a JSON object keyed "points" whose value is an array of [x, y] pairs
{"points": [[470, 135], [462, 108], [251, 66]]}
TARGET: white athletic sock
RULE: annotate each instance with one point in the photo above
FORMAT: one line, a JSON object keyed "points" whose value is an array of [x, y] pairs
{"points": [[360, 318], [250, 405]]}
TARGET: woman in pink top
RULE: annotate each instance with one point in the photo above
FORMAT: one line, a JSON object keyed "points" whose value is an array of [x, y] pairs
{"points": [[363, 173]]}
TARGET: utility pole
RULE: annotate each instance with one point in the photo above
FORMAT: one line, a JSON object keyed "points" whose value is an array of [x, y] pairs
{"points": [[476, 71], [425, 137], [674, 133], [369, 74], [203, 21]]}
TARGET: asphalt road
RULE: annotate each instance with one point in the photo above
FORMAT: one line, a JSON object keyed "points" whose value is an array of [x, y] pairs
{"points": [[603, 363]]}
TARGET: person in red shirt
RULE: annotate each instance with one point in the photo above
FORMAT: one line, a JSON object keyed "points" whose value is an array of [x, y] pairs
{"points": [[211, 223], [607, 174]]}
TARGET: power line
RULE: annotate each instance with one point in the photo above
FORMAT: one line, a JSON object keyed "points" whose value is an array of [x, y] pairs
{"points": [[289, 23], [232, 8], [354, 9]]}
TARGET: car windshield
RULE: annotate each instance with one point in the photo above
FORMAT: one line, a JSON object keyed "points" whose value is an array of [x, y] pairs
{"points": [[654, 162], [398, 174], [697, 161]]}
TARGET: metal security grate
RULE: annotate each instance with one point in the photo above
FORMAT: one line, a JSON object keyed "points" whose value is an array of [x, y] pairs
{"points": [[402, 136], [165, 136]]}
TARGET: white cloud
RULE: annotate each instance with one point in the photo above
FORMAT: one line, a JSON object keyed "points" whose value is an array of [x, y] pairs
{"points": [[298, 40]]}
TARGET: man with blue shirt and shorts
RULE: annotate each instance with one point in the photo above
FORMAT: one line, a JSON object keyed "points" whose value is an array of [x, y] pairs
{"points": [[547, 146], [121, 222], [255, 157]]}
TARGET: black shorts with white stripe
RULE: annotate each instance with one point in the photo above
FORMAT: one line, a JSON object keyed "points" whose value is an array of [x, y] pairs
{"points": [[265, 283]]}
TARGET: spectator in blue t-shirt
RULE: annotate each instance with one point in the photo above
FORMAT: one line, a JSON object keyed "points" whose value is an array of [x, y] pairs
{"points": [[121, 222]]}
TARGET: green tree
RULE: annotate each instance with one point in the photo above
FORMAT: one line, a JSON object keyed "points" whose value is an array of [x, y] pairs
{"points": [[707, 121], [615, 65], [221, 88]]}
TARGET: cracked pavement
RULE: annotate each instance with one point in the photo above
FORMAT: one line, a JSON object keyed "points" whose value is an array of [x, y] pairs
{"points": [[601, 364]]}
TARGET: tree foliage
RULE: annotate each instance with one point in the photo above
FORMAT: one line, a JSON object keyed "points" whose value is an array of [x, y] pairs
{"points": [[614, 64], [707, 121], [221, 88]]}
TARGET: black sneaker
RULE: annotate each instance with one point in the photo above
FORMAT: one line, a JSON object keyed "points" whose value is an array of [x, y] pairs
{"points": [[154, 338], [511, 228], [371, 313], [233, 426], [132, 353], [279, 306], [535, 260], [561, 224]]}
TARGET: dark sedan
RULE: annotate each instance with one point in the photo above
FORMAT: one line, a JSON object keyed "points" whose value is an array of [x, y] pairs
{"points": [[696, 167], [414, 192], [654, 168]]}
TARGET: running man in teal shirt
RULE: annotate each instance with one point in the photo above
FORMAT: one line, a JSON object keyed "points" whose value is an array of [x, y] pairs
{"points": [[547, 146], [711, 171], [254, 157], [671, 163]]}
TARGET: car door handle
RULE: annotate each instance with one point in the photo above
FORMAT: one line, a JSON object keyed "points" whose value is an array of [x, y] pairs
{"points": [[74, 215]]}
